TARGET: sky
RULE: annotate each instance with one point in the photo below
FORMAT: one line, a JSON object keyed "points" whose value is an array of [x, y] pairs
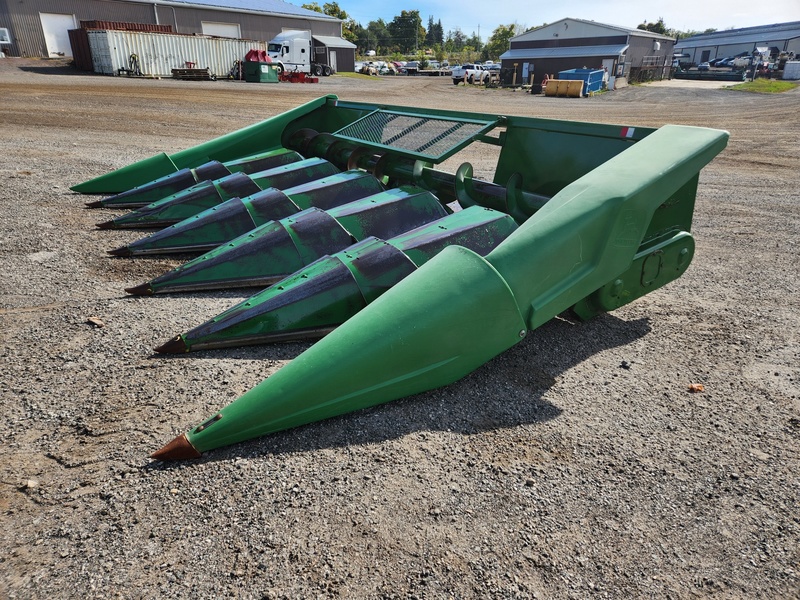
{"points": [[482, 17]]}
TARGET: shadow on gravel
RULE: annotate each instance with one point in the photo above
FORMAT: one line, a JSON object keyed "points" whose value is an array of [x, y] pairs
{"points": [[54, 70], [508, 391]]}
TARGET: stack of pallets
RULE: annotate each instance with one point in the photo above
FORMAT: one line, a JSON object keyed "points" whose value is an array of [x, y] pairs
{"points": [[193, 74]]}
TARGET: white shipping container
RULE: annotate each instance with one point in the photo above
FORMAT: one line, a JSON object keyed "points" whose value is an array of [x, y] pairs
{"points": [[159, 53]]}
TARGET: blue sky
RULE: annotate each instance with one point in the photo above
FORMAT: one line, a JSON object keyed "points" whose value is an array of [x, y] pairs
{"points": [[483, 17]]}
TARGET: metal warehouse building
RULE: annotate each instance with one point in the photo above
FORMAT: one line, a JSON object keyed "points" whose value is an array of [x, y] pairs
{"points": [[780, 38], [574, 43], [39, 27]]}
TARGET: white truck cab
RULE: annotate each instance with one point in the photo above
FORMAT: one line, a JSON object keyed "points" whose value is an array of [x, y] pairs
{"points": [[292, 51]]}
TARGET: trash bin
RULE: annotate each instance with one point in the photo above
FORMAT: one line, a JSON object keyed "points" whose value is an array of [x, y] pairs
{"points": [[593, 78], [260, 72]]}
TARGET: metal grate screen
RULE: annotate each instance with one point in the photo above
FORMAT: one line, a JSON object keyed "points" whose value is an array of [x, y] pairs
{"points": [[420, 136]]}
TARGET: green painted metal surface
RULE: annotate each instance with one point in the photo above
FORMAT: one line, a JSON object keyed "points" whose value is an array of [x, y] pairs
{"points": [[431, 345], [210, 228], [586, 237], [318, 298], [605, 217], [125, 178], [590, 232], [185, 178], [272, 251], [416, 135], [207, 194], [217, 225], [260, 137]]}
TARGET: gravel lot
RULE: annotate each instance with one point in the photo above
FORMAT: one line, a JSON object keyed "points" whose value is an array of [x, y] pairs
{"points": [[575, 465]]}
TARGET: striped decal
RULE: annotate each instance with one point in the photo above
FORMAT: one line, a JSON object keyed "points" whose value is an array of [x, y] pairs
{"points": [[627, 132]]}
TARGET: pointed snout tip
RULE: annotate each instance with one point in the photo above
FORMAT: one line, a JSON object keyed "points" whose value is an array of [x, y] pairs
{"points": [[144, 289], [176, 345], [178, 449], [121, 251]]}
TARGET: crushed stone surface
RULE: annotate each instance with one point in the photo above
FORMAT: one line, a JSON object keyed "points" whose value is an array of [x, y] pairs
{"points": [[575, 465]]}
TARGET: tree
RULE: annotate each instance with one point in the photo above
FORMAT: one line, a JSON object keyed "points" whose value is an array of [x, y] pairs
{"points": [[407, 31], [438, 33], [475, 42], [332, 9], [438, 52], [430, 34], [500, 40], [456, 40], [657, 27], [376, 37], [434, 34]]}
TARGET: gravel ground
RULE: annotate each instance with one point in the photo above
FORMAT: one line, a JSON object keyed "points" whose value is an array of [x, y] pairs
{"points": [[575, 465]]}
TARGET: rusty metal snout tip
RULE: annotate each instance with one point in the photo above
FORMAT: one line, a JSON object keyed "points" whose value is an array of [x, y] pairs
{"points": [[144, 289], [175, 346], [178, 449]]}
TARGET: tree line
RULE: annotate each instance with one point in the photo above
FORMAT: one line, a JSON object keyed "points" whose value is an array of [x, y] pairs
{"points": [[405, 35]]}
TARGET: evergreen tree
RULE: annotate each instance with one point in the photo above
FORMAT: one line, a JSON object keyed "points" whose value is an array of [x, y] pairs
{"points": [[407, 31], [430, 34]]}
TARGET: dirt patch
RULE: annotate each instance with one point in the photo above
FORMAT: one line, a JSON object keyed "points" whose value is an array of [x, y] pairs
{"points": [[576, 464]]}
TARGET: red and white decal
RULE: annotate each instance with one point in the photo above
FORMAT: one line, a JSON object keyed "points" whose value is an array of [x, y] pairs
{"points": [[627, 132]]}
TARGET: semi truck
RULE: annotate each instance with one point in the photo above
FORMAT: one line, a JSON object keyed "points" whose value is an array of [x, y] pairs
{"points": [[293, 51]]}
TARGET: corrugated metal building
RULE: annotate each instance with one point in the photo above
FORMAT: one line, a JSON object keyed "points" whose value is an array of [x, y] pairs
{"points": [[778, 38], [39, 27], [576, 43]]}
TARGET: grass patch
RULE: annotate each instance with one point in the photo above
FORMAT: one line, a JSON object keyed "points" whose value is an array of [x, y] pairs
{"points": [[356, 75], [764, 86]]}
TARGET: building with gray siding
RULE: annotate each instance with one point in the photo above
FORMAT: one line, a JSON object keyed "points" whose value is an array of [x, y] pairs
{"points": [[774, 40], [38, 28], [576, 43]]}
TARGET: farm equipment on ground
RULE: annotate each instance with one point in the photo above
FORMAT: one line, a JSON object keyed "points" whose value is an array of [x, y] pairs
{"points": [[579, 216]]}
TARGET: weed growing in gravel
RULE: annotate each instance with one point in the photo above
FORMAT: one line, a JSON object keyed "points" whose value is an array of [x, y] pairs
{"points": [[764, 86]]}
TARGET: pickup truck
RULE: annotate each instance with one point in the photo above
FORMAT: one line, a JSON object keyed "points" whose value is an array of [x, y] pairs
{"points": [[473, 73]]}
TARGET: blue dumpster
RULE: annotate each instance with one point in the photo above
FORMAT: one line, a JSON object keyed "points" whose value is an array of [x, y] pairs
{"points": [[592, 78]]}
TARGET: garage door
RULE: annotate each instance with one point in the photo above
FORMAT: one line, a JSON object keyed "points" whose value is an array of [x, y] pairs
{"points": [[227, 30], [55, 27]]}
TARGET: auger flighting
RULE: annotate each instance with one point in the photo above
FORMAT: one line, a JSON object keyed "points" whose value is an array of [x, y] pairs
{"points": [[604, 215]]}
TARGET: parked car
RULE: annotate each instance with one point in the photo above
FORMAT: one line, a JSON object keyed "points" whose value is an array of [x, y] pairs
{"points": [[703, 66]]}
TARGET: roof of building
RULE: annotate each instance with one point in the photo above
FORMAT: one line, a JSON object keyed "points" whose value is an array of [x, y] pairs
{"points": [[627, 30], [613, 50], [333, 42], [269, 7], [745, 35]]}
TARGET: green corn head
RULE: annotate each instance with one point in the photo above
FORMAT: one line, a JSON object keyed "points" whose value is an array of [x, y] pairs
{"points": [[578, 216]]}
